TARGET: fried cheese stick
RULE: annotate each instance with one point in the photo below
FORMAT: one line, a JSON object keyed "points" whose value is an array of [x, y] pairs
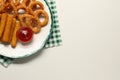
{"points": [[14, 37], [12, 29], [3, 23], [6, 34]]}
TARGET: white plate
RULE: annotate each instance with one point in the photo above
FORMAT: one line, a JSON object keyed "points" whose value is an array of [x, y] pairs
{"points": [[37, 43]]}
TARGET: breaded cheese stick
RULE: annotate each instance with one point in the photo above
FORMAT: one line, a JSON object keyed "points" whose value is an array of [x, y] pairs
{"points": [[14, 37], [3, 23], [6, 34], [12, 29]]}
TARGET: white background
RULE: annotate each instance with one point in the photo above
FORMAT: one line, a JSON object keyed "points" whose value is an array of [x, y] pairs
{"points": [[91, 45]]}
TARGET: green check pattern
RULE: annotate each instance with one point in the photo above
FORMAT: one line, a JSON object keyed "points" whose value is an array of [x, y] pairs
{"points": [[53, 40]]}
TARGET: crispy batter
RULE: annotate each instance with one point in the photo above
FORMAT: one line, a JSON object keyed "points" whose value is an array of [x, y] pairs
{"points": [[34, 4], [6, 34], [30, 22], [16, 3], [26, 2], [3, 22], [33, 0], [22, 7], [2, 6], [12, 29], [23, 19], [14, 38], [46, 17], [10, 8], [34, 24]]}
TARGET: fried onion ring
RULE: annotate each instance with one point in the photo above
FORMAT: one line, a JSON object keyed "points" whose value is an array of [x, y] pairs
{"points": [[46, 17], [10, 8], [34, 24], [26, 2], [29, 22], [15, 2], [22, 19], [22, 7], [34, 4]]}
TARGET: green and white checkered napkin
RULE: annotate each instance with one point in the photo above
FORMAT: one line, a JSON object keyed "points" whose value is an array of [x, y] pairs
{"points": [[54, 39]]}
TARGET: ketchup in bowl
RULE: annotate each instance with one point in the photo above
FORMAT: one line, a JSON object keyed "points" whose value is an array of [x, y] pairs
{"points": [[25, 34]]}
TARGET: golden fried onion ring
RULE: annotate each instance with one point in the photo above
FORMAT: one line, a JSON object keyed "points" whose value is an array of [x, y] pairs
{"points": [[46, 17], [22, 18], [11, 7], [34, 4], [26, 2], [16, 2], [29, 22], [23, 7]]}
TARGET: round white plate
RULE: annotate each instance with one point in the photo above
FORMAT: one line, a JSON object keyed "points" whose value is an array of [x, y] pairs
{"points": [[37, 43]]}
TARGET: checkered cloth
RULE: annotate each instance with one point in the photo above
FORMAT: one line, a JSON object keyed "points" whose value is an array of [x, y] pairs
{"points": [[54, 39]]}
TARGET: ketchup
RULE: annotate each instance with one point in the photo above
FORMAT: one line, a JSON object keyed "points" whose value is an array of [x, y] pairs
{"points": [[25, 34]]}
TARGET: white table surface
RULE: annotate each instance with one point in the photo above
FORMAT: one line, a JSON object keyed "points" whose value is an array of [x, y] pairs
{"points": [[91, 45]]}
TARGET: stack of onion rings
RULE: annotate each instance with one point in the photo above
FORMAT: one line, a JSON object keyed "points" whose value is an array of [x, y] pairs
{"points": [[31, 12]]}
